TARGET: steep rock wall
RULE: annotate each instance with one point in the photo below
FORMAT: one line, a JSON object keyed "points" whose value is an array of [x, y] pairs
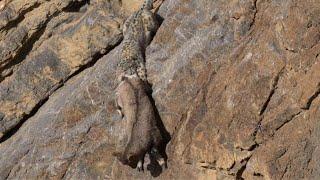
{"points": [[236, 84]]}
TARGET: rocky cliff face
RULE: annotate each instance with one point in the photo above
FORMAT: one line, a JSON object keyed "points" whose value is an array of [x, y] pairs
{"points": [[236, 84]]}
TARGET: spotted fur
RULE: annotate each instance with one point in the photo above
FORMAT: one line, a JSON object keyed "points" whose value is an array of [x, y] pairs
{"points": [[142, 132], [138, 30]]}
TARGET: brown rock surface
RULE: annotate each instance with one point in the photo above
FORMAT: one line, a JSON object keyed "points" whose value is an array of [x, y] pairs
{"points": [[236, 84]]}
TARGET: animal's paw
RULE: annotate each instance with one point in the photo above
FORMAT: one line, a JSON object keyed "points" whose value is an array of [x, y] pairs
{"points": [[140, 166], [162, 163]]}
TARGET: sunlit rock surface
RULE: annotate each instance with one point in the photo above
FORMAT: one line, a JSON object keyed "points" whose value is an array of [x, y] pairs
{"points": [[236, 84]]}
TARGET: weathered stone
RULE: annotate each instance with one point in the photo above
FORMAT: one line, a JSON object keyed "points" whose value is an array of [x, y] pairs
{"points": [[236, 84], [78, 44]]}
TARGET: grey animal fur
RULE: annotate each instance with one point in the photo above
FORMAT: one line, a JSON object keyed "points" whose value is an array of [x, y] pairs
{"points": [[138, 30]]}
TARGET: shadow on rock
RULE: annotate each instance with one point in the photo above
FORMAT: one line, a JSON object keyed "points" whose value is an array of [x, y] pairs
{"points": [[154, 167]]}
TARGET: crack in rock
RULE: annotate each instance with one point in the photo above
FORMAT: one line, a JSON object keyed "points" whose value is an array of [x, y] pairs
{"points": [[7, 135], [27, 43], [21, 16], [313, 97], [288, 120], [273, 88]]}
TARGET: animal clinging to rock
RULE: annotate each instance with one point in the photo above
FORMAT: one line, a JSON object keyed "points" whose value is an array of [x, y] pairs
{"points": [[143, 134], [138, 30]]}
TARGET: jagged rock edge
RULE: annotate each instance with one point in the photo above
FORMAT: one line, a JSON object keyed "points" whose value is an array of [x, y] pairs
{"points": [[95, 58], [28, 43], [15, 21]]}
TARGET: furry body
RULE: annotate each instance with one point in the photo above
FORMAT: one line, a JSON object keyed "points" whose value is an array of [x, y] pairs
{"points": [[143, 134], [138, 30]]}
